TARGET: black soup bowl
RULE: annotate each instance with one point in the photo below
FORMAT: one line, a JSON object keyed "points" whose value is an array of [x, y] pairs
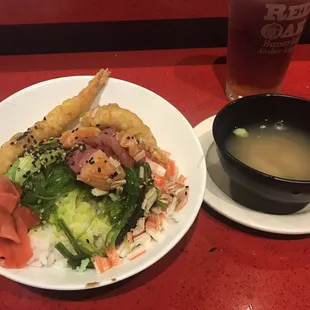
{"points": [[250, 110]]}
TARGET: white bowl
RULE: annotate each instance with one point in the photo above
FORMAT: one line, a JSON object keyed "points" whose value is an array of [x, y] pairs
{"points": [[173, 133]]}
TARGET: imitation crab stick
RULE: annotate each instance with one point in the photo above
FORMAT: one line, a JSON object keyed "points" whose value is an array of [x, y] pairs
{"points": [[159, 181], [181, 204], [143, 239], [130, 237], [101, 263], [170, 169], [138, 251], [181, 179], [112, 254], [140, 228], [156, 168]]}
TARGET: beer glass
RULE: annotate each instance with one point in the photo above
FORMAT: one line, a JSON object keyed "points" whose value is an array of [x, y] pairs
{"points": [[262, 36]]}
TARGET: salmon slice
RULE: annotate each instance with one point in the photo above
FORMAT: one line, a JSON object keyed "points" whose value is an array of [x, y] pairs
{"points": [[16, 255], [70, 137], [30, 218], [7, 226], [77, 158], [129, 142], [99, 172]]}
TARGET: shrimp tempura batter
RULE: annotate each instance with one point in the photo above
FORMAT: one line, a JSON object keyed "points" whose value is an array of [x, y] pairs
{"points": [[53, 124], [112, 115]]}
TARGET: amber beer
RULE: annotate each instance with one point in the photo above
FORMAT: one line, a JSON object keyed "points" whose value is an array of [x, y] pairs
{"points": [[262, 36]]}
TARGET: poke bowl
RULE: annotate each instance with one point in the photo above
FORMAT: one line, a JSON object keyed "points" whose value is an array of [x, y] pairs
{"points": [[96, 184]]}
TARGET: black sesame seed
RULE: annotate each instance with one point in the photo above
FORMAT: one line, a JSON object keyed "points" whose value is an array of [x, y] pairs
{"points": [[105, 161], [115, 174], [72, 130], [87, 240], [99, 169], [52, 157], [78, 173], [98, 125], [186, 186], [24, 146], [72, 163], [128, 138], [28, 140], [44, 118], [35, 127], [35, 141], [185, 193], [12, 143]]}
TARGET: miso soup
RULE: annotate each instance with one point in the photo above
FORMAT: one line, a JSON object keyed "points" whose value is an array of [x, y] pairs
{"points": [[275, 149]]}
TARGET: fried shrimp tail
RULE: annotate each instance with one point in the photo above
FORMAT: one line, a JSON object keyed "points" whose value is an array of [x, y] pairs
{"points": [[112, 115], [54, 123]]}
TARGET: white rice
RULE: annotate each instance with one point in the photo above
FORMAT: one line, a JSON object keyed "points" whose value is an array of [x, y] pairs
{"points": [[43, 240]]}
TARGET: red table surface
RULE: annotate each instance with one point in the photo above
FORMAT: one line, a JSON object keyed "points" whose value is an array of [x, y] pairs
{"points": [[249, 269]]}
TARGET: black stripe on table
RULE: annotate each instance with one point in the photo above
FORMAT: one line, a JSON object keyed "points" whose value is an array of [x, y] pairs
{"points": [[117, 36]]}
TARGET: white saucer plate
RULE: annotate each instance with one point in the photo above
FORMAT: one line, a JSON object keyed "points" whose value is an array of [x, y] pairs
{"points": [[218, 195]]}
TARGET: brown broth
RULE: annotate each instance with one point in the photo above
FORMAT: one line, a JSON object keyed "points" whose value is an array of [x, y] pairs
{"points": [[275, 149]]}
